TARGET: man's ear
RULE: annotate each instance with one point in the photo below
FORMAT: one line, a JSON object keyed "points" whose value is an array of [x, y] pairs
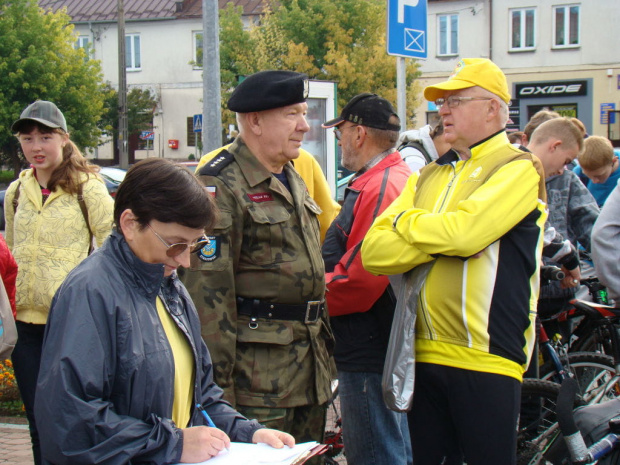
{"points": [[253, 122], [554, 144], [494, 109], [360, 136], [524, 140]]}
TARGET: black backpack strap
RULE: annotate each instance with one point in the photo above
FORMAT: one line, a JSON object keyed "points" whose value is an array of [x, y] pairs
{"points": [[418, 146], [80, 197]]}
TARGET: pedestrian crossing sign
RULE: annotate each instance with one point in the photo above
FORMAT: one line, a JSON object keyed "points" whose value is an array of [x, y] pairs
{"points": [[197, 123]]}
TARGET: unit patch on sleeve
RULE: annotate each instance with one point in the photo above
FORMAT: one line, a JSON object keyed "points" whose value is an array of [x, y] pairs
{"points": [[211, 251]]}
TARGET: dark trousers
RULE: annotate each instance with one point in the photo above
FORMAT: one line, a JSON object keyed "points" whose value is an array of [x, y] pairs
{"points": [[462, 415], [26, 361]]}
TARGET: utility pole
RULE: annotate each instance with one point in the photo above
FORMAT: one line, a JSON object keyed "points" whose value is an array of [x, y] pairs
{"points": [[211, 95], [123, 143], [401, 91]]}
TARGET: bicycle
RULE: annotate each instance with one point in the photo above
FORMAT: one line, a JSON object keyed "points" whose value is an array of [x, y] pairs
{"points": [[595, 372], [333, 430], [571, 446], [537, 426]]}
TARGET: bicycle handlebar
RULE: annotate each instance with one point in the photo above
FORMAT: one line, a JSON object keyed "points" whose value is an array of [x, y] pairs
{"points": [[551, 273]]}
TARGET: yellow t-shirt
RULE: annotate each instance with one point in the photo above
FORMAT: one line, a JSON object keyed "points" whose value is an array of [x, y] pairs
{"points": [[183, 367]]}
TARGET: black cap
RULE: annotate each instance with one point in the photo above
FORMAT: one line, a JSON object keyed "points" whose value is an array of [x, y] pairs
{"points": [[366, 110], [43, 112], [269, 89]]}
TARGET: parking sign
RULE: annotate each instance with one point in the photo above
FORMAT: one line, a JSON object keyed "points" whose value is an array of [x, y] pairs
{"points": [[406, 28]]}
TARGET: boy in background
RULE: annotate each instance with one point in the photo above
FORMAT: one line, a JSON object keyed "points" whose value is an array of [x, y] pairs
{"points": [[598, 167]]}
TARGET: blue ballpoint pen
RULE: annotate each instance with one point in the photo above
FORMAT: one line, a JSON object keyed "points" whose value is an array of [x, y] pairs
{"points": [[206, 416]]}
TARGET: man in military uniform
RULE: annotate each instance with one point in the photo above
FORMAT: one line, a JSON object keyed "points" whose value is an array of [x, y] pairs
{"points": [[259, 287]]}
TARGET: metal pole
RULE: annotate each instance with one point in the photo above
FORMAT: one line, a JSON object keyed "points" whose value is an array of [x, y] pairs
{"points": [[123, 147], [211, 95], [401, 92]]}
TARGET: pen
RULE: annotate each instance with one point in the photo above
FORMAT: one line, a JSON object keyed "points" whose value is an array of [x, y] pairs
{"points": [[206, 416]]}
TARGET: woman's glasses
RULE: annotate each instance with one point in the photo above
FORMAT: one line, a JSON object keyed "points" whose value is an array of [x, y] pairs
{"points": [[174, 250]]}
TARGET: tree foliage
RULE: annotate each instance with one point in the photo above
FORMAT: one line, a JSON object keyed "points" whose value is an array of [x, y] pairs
{"points": [[141, 104], [340, 41], [39, 61]]}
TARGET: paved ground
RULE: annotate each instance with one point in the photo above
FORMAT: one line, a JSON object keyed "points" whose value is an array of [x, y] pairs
{"points": [[15, 445]]}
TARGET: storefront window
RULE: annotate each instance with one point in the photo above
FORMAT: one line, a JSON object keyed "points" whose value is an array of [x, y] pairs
{"points": [[568, 110]]}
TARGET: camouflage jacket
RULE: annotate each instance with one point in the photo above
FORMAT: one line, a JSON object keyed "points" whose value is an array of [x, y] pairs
{"points": [[265, 246]]}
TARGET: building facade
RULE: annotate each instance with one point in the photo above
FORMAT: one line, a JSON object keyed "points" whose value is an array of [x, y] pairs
{"points": [[557, 54], [163, 52]]}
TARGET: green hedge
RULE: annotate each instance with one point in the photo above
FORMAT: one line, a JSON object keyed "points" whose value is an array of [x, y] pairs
{"points": [[6, 176]]}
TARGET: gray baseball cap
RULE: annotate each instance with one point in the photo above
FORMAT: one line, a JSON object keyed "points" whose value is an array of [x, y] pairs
{"points": [[43, 112]]}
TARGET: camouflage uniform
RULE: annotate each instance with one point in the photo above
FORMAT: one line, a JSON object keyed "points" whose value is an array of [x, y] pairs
{"points": [[266, 247]]}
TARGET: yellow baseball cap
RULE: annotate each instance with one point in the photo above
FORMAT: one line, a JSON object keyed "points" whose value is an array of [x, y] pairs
{"points": [[470, 72]]}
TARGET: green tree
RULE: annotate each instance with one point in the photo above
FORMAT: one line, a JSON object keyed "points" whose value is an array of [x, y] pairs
{"points": [[141, 104], [340, 41], [39, 61]]}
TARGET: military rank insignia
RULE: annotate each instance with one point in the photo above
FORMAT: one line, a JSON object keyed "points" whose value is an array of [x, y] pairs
{"points": [[211, 251]]}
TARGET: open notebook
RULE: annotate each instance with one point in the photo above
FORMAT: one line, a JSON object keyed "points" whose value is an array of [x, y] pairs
{"points": [[262, 454]]}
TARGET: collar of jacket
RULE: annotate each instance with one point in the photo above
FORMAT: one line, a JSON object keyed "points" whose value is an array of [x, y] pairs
{"points": [[486, 146], [253, 170], [391, 159], [146, 277]]}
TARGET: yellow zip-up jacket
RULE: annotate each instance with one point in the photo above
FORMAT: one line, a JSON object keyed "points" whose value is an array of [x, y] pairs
{"points": [[483, 221], [49, 240]]}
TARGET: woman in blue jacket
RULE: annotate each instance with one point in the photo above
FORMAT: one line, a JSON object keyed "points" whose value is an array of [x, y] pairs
{"points": [[123, 364]]}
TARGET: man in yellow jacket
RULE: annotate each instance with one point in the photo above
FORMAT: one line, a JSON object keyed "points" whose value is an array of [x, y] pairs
{"points": [[478, 212]]}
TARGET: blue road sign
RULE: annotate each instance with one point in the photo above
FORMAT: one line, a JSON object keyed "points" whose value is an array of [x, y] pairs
{"points": [[147, 135], [406, 28], [197, 123]]}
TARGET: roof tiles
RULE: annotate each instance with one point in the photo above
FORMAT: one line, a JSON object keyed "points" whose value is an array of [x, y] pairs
{"points": [[135, 10]]}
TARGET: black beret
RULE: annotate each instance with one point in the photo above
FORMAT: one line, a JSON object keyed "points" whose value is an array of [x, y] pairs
{"points": [[269, 89]]}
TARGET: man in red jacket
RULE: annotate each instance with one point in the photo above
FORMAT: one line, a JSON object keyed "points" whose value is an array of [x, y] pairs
{"points": [[361, 306]]}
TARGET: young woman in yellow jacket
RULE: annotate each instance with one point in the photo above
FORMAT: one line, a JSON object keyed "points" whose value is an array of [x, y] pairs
{"points": [[47, 231]]}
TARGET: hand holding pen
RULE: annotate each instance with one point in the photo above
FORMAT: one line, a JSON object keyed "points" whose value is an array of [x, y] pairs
{"points": [[200, 443]]}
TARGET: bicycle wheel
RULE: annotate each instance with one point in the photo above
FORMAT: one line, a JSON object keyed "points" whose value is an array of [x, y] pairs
{"points": [[595, 374], [537, 421]]}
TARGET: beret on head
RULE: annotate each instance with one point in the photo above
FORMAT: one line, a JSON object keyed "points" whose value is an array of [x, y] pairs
{"points": [[269, 89]]}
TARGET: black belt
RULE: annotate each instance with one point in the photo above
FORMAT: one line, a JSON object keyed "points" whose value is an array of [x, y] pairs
{"points": [[309, 312]]}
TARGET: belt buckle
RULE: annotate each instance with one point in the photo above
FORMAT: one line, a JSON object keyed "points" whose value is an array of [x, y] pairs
{"points": [[312, 305]]}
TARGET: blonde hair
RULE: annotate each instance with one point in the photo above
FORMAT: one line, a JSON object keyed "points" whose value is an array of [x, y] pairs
{"points": [[559, 128], [539, 118], [579, 125], [597, 153]]}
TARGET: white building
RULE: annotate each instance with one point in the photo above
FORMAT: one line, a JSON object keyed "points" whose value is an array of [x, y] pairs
{"points": [[557, 54], [162, 37]]}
